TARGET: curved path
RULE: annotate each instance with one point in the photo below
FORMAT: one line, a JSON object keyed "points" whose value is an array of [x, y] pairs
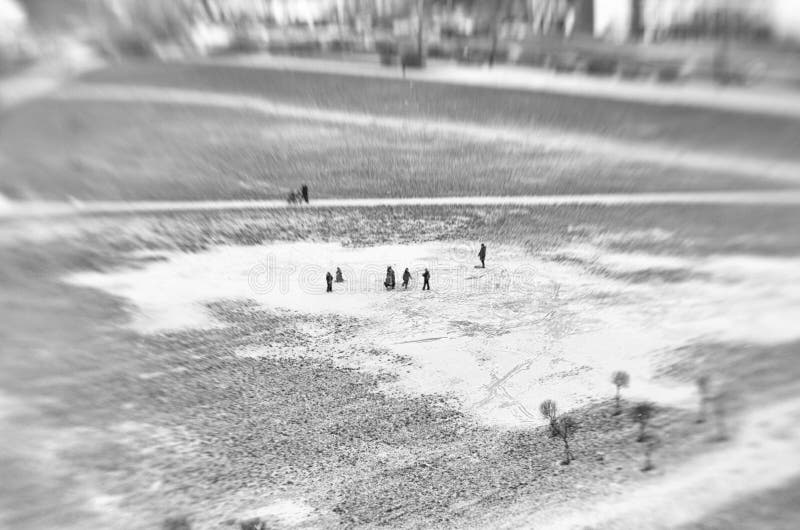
{"points": [[755, 100], [540, 137], [13, 209]]}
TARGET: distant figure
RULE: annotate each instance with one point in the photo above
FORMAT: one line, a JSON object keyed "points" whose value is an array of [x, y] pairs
{"points": [[482, 255], [292, 197], [329, 279], [426, 276], [406, 279], [304, 193], [389, 283], [339, 277]]}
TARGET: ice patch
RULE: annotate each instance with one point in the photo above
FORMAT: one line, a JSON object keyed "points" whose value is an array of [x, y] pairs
{"points": [[288, 512], [500, 339]]}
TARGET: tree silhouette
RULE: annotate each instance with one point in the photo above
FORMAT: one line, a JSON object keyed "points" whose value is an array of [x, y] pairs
{"points": [[651, 443], [621, 380], [549, 411], [641, 414], [703, 386], [565, 428], [719, 408]]}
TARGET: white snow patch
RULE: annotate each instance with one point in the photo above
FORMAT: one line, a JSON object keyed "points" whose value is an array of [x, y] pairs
{"points": [[287, 511], [500, 339]]}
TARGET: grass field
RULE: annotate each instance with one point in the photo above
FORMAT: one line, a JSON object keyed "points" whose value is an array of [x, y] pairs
{"points": [[305, 417], [96, 150], [690, 128]]}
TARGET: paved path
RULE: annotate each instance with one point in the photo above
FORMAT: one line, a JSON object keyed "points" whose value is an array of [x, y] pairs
{"points": [[12, 209], [540, 137], [737, 99]]}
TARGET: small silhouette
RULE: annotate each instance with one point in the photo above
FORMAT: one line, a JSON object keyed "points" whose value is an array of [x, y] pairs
{"points": [[426, 276], [406, 278], [389, 283], [482, 255], [339, 277], [304, 193], [292, 197], [329, 280]]}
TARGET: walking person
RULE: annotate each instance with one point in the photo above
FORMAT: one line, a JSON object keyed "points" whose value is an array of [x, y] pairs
{"points": [[304, 193], [339, 277], [389, 283], [426, 276], [482, 255], [329, 280], [406, 278]]}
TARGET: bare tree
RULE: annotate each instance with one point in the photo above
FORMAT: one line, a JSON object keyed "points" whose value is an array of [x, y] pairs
{"points": [[549, 411], [565, 428], [210, 13], [651, 443], [719, 408], [703, 386], [620, 379], [641, 414], [421, 29]]}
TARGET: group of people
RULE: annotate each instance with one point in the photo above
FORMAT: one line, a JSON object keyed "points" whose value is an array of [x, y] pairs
{"points": [[299, 196], [329, 279], [389, 283]]}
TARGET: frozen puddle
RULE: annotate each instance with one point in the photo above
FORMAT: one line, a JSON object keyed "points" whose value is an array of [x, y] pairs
{"points": [[500, 339]]}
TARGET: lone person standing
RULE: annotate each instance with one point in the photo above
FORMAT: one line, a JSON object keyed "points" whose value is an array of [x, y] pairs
{"points": [[304, 193], [426, 276], [339, 277], [482, 255], [406, 278], [329, 280], [389, 283]]}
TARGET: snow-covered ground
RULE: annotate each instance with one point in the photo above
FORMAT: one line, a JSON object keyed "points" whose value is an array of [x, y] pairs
{"points": [[500, 339]]}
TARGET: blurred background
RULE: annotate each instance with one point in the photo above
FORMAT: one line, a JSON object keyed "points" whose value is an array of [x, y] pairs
{"points": [[721, 41]]}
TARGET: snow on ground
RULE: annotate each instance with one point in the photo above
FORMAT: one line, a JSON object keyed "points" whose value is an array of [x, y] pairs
{"points": [[500, 339], [763, 456]]}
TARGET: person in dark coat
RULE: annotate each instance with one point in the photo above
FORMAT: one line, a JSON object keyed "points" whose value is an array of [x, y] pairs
{"points": [[482, 255], [329, 280], [389, 283], [406, 279], [304, 193], [426, 276], [339, 277]]}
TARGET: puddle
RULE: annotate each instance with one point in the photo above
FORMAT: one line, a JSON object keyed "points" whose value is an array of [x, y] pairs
{"points": [[501, 339]]}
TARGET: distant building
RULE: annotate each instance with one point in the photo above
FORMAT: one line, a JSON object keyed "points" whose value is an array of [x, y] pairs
{"points": [[653, 20]]}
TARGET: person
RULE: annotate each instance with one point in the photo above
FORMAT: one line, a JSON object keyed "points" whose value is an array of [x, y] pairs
{"points": [[339, 277], [304, 193], [426, 276], [389, 283], [482, 255], [329, 280], [406, 278], [292, 197]]}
